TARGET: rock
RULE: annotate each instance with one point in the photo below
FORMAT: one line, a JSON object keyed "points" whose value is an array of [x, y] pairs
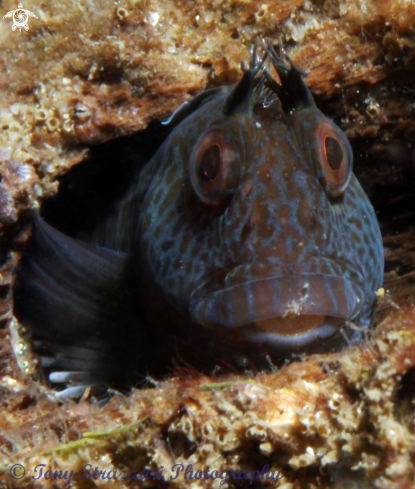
{"points": [[87, 73]]}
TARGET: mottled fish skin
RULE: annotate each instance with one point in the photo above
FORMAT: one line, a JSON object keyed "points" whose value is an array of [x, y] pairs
{"points": [[247, 233], [282, 246]]}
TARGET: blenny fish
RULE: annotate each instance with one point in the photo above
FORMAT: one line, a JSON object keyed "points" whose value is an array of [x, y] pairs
{"points": [[245, 238]]}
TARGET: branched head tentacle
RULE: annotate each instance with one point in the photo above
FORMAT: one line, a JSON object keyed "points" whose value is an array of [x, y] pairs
{"points": [[257, 82], [291, 89]]}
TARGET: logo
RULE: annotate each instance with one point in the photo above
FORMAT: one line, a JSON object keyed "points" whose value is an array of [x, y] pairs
{"points": [[20, 17]]}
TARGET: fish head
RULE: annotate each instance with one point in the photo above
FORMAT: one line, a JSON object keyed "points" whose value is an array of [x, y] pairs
{"points": [[253, 221]]}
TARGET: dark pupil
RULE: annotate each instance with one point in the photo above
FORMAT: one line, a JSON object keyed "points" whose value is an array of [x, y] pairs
{"points": [[210, 163], [334, 153]]}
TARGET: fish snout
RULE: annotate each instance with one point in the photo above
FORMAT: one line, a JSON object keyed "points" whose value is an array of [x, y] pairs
{"points": [[285, 310]]}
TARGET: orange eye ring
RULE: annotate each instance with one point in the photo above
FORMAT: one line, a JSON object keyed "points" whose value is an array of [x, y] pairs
{"points": [[214, 166], [335, 159]]}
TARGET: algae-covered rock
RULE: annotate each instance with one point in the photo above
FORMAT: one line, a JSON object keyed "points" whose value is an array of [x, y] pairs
{"points": [[88, 72]]}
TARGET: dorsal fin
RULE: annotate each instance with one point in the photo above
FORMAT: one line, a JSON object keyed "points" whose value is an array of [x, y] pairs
{"points": [[189, 106]]}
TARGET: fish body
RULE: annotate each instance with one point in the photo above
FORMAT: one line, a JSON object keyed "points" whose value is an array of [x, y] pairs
{"points": [[246, 235]]}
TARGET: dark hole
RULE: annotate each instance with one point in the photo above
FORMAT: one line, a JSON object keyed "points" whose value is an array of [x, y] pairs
{"points": [[27, 402], [210, 163], [353, 393], [404, 405], [90, 190], [334, 153]]}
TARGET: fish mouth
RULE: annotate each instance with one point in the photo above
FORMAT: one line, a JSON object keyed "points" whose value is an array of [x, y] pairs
{"points": [[282, 310]]}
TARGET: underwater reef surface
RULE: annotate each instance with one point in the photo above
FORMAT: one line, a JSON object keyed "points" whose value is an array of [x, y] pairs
{"points": [[89, 72], [328, 421]]}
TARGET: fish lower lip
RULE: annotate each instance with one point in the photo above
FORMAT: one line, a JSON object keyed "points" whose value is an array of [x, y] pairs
{"points": [[280, 296]]}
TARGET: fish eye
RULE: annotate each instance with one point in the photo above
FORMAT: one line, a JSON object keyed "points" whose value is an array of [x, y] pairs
{"points": [[210, 163], [214, 166], [333, 152], [335, 159]]}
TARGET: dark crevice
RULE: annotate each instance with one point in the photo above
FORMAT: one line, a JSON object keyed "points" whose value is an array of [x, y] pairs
{"points": [[89, 190], [404, 404]]}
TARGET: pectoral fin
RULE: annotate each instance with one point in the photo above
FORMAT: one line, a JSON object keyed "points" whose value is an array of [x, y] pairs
{"points": [[78, 301]]}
